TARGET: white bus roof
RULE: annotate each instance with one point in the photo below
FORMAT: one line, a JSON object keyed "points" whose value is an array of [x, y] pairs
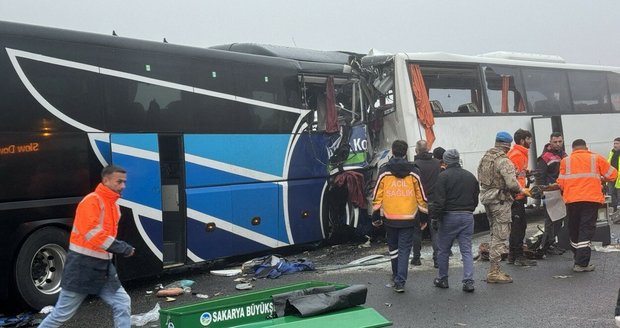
{"points": [[498, 58]]}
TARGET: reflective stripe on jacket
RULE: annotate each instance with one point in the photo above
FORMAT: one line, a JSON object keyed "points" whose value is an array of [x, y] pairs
{"points": [[580, 176], [96, 223], [400, 198], [518, 155]]}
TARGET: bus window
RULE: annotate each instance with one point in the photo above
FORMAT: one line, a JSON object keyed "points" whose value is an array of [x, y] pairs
{"points": [[453, 89], [614, 89], [589, 91], [137, 106], [504, 90], [69, 90], [547, 90]]}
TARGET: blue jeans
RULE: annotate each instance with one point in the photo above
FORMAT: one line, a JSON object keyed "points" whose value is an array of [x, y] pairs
{"points": [[69, 302], [399, 242], [459, 226]]}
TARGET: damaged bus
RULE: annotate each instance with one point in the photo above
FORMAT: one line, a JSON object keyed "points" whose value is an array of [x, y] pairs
{"points": [[226, 152], [457, 101]]}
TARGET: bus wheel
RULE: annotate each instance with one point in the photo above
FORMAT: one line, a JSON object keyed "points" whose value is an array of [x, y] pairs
{"points": [[39, 266]]}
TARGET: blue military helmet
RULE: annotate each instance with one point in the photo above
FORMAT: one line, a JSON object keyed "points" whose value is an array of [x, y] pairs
{"points": [[503, 136]]}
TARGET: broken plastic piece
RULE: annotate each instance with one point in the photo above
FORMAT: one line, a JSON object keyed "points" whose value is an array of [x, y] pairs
{"points": [[225, 273], [170, 299], [144, 318], [244, 286], [202, 296]]}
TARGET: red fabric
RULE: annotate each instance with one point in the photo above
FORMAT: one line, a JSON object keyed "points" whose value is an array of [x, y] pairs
{"points": [[422, 103], [331, 119], [505, 84], [355, 186]]}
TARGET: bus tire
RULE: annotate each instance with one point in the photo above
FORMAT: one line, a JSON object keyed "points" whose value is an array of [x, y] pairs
{"points": [[39, 266]]}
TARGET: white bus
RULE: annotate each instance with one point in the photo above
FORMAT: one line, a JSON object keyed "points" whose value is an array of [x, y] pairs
{"points": [[471, 98]]}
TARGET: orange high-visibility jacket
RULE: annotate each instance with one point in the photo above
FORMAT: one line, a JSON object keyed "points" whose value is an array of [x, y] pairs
{"points": [[96, 223], [518, 155], [400, 198], [581, 174]]}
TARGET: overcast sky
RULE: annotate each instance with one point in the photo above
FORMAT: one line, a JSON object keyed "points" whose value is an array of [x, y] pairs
{"points": [[584, 32]]}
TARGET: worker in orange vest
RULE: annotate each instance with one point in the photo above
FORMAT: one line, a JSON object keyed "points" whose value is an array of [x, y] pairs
{"points": [[518, 155], [580, 179]]}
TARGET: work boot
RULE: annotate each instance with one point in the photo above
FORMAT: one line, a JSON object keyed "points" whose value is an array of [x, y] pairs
{"points": [[523, 261], [468, 286], [416, 261], [441, 283], [497, 276], [587, 268], [511, 258]]}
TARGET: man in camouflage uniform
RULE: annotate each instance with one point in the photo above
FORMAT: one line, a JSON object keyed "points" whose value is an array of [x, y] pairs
{"points": [[498, 184]]}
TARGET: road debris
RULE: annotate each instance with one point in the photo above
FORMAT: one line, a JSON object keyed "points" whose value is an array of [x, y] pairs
{"points": [[226, 273], [388, 304], [47, 309], [561, 277], [144, 318], [174, 291], [170, 299], [204, 296], [607, 249], [244, 286]]}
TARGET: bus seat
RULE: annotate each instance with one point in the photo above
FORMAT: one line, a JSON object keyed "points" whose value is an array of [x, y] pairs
{"points": [[436, 106], [468, 108], [546, 106]]}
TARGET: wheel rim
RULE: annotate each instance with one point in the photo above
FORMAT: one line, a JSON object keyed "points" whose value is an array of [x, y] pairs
{"points": [[46, 268]]}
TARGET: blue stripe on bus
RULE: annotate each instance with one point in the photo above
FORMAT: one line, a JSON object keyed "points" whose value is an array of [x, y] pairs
{"points": [[199, 176], [218, 243], [143, 180], [140, 141], [104, 149], [260, 152]]}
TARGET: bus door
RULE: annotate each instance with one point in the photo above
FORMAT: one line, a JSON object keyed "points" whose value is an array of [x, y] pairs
{"points": [[154, 190], [542, 127]]}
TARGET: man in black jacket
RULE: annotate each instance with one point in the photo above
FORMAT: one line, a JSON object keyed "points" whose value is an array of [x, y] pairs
{"points": [[429, 169], [547, 171], [451, 209]]}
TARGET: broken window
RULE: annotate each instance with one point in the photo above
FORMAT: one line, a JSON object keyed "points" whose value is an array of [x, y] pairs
{"points": [[453, 89], [346, 97], [504, 89]]}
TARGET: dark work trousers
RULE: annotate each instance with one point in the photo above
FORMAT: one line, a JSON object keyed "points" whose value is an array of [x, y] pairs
{"points": [[399, 242], [611, 187], [417, 237], [551, 231], [517, 227], [581, 226], [618, 304]]}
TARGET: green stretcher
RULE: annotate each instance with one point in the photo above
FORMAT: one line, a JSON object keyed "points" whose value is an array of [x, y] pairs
{"points": [[255, 309]]}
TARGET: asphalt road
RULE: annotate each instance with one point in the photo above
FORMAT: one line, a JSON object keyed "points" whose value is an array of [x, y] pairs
{"points": [[535, 299]]}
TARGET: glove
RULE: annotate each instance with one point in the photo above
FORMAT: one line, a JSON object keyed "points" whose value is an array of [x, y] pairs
{"points": [[526, 192], [376, 219], [435, 224]]}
